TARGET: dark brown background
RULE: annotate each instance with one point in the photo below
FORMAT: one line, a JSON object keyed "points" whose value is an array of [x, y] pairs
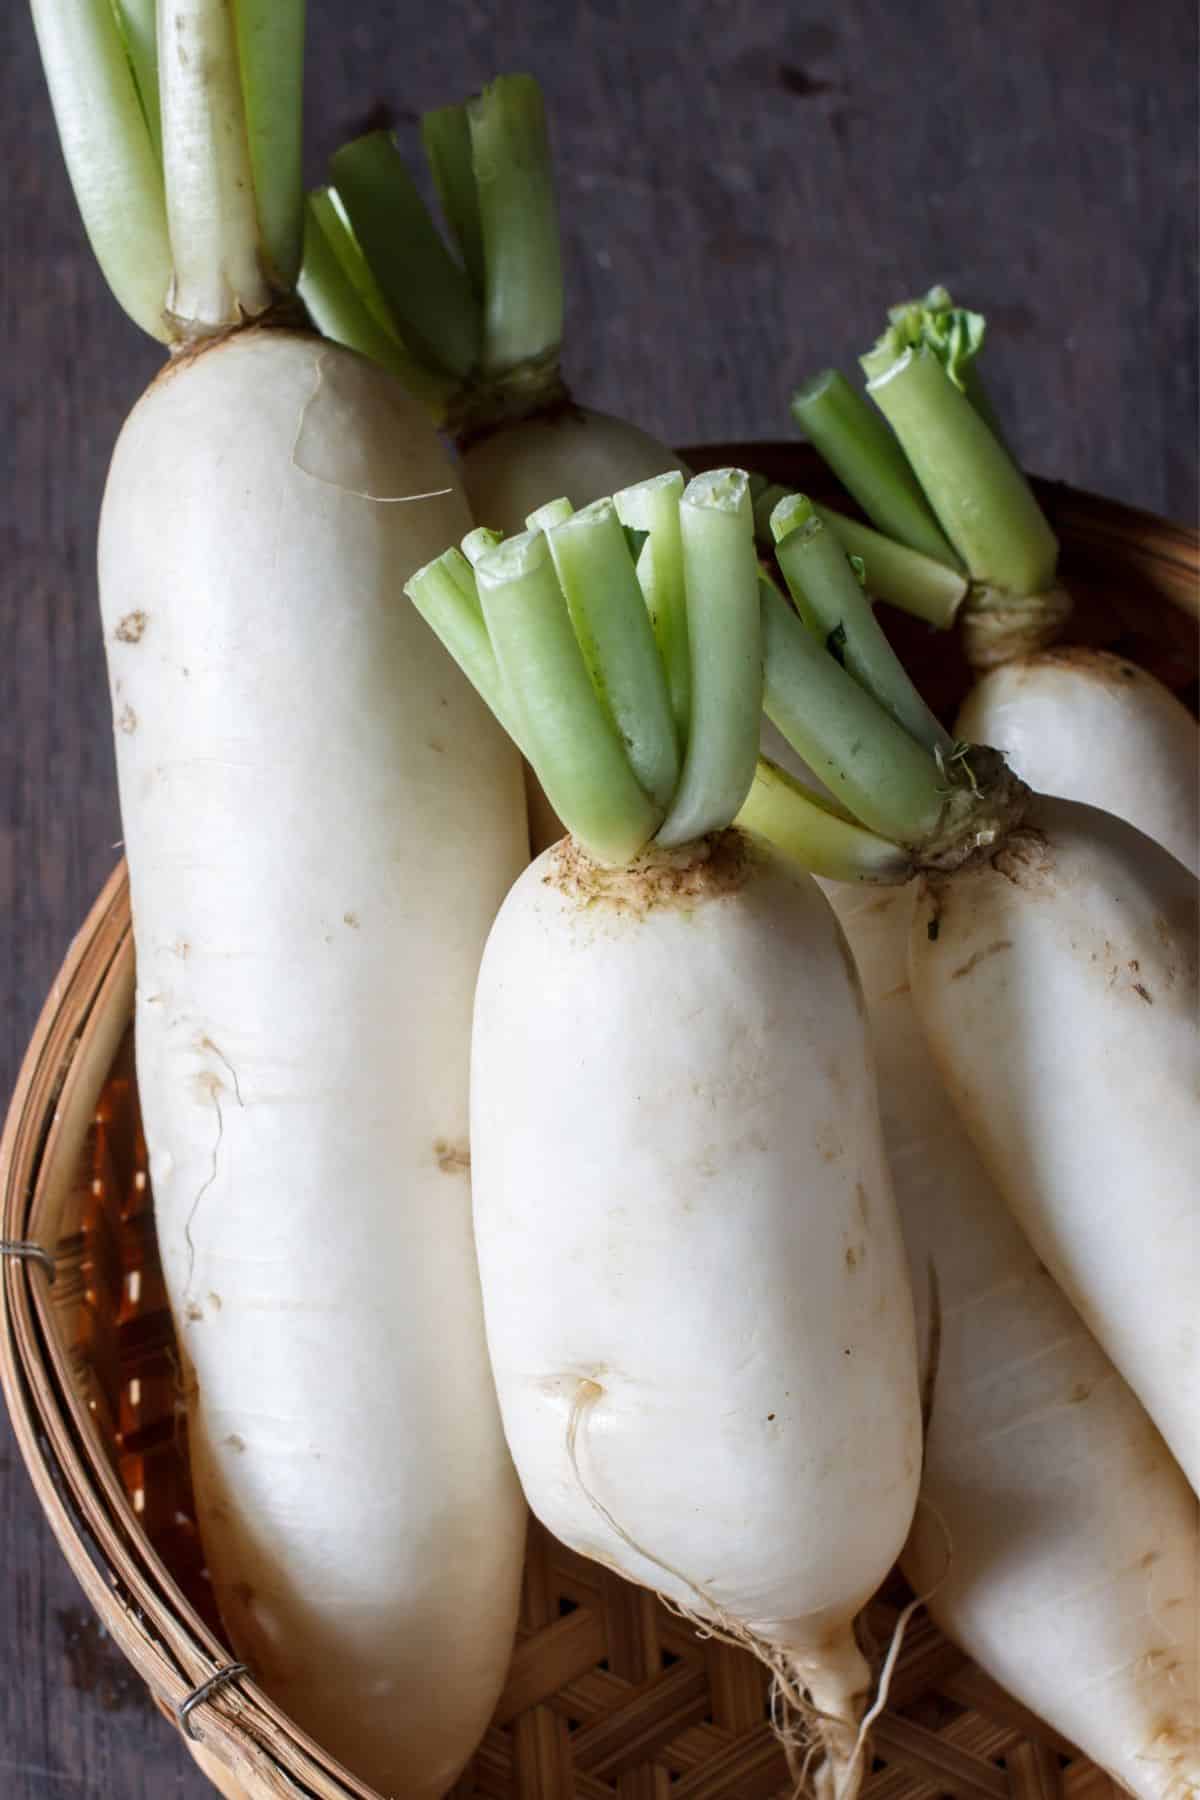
{"points": [[744, 188]]}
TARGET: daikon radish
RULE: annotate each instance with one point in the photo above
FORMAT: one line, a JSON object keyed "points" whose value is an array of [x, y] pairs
{"points": [[1058, 1541], [320, 820], [693, 1279], [1054, 965], [1083, 724], [1056, 981]]}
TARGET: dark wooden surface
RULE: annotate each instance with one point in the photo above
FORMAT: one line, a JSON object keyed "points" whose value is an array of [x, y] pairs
{"points": [[744, 188]]}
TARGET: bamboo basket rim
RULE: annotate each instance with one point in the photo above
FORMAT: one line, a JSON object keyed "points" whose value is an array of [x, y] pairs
{"points": [[72, 1046]]}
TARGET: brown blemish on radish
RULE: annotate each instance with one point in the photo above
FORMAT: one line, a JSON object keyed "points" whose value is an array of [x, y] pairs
{"points": [[131, 628], [350, 919], [235, 1442], [192, 1313], [1144, 992], [452, 1159], [828, 1143], [973, 962], [127, 721], [710, 869], [1025, 859]]}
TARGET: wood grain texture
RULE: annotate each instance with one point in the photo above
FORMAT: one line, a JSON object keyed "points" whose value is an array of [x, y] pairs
{"points": [[744, 187]]}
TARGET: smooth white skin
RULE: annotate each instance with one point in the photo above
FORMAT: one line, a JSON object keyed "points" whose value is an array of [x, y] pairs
{"points": [[688, 1241], [1074, 1569], [321, 820], [1058, 996], [576, 453], [1085, 725]]}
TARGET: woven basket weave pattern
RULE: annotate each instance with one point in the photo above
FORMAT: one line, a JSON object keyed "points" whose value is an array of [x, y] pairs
{"points": [[608, 1693]]}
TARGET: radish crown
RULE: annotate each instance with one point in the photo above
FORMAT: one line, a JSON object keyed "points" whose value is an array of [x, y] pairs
{"points": [[630, 648], [940, 483], [180, 126], [476, 331]]}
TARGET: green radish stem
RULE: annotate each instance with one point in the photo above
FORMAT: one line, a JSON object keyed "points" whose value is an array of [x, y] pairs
{"points": [[818, 834], [868, 461], [887, 780], [652, 507], [428, 293], [929, 590], [445, 593], [720, 574], [270, 50], [551, 628], [569, 738], [555, 512], [489, 325], [922, 375], [183, 149], [955, 336], [139, 34], [599, 580], [111, 153], [216, 249], [576, 674], [916, 584], [835, 608], [344, 304], [446, 135], [980, 496], [510, 157]]}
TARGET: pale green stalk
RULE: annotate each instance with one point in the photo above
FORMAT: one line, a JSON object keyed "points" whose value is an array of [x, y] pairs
{"points": [[555, 512], [837, 611], [724, 641], [110, 154], [270, 45], [652, 507], [868, 461], [219, 278], [804, 828], [979, 494], [567, 736], [139, 31], [479, 542], [326, 205], [519, 224], [429, 296], [855, 749], [956, 337], [445, 595], [446, 135], [916, 584], [613, 630], [341, 312], [765, 496]]}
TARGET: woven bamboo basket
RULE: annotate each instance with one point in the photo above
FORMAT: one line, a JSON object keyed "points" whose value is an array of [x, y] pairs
{"points": [[608, 1694]]}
